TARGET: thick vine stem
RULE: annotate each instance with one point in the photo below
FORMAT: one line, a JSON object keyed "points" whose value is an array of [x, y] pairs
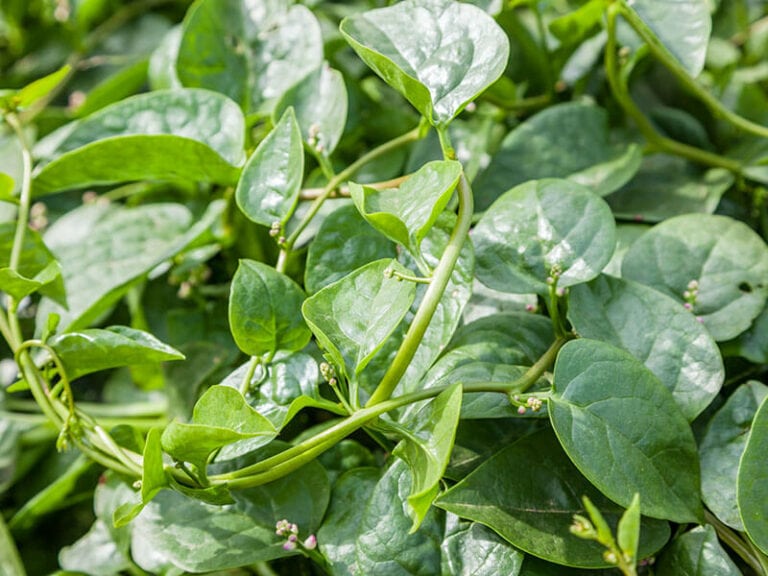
{"points": [[656, 141], [689, 83]]}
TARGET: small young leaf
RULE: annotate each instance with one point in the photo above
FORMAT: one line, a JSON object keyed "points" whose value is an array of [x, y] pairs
{"points": [[320, 103], [622, 429], [406, 214], [39, 89], [269, 186], [97, 349], [604, 533], [427, 449], [628, 533], [752, 483], [265, 311], [353, 317], [721, 264], [696, 553], [439, 54], [543, 229]]}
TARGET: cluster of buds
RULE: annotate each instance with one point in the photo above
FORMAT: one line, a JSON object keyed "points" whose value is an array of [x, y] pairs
{"points": [[690, 294], [328, 373], [554, 275], [290, 531], [532, 403], [276, 231], [313, 138]]}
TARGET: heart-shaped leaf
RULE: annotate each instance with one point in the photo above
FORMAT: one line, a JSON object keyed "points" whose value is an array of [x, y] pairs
{"points": [[439, 54], [623, 430], [544, 229]]}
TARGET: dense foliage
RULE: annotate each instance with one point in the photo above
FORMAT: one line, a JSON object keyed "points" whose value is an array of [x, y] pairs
{"points": [[420, 287]]}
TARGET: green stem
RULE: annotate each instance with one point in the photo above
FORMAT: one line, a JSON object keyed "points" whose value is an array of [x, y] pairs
{"points": [[440, 278], [661, 53], [657, 141]]}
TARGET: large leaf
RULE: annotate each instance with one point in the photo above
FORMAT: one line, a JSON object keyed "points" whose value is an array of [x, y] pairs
{"points": [[320, 102], [265, 311], [564, 141], [344, 243], [721, 448], [532, 507], [696, 553], [124, 244], [250, 51], [220, 417], [353, 317], [139, 139], [657, 331], [407, 213], [97, 349], [543, 229], [623, 430], [682, 26], [439, 54], [427, 448], [727, 260], [473, 549], [269, 186], [752, 485]]}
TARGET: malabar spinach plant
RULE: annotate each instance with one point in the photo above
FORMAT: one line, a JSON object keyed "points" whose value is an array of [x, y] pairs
{"points": [[420, 287]]}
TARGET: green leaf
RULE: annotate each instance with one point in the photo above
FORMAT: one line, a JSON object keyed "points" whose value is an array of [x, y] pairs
{"points": [[427, 448], [265, 311], [439, 54], [407, 213], [39, 89], [752, 483], [568, 140], [696, 553], [124, 244], [94, 553], [667, 186], [220, 417], [721, 448], [578, 25], [657, 331], [532, 508], [162, 62], [344, 243], [541, 229], [622, 429], [384, 546], [251, 52], [473, 549], [353, 317], [38, 270], [320, 102], [681, 26], [752, 344], [337, 535], [98, 349], [628, 533], [727, 259], [269, 186], [7, 188]]}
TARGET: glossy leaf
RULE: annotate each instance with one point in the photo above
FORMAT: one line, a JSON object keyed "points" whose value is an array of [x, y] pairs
{"points": [[721, 448], [320, 102], [752, 484], [438, 54], [696, 553], [407, 213], [727, 259], [752, 344], [564, 141], [542, 229], [95, 553], [682, 26], [250, 52], [657, 331], [475, 550], [220, 417], [265, 311], [622, 429], [384, 546], [98, 349], [427, 448], [344, 243], [269, 186], [353, 317], [124, 244], [17, 286], [138, 139], [532, 508]]}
